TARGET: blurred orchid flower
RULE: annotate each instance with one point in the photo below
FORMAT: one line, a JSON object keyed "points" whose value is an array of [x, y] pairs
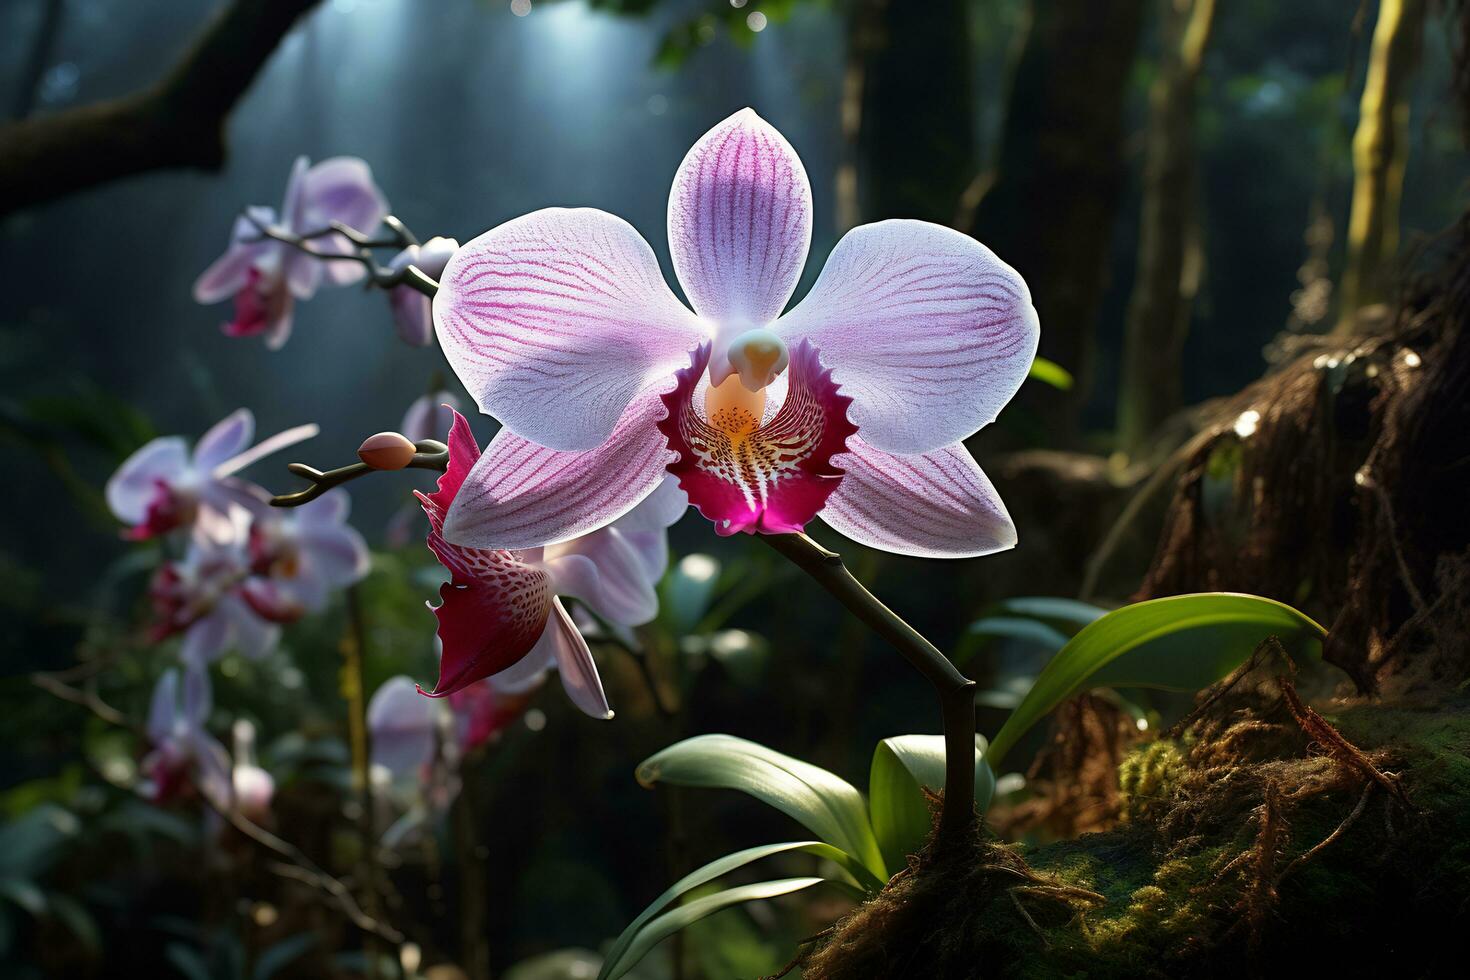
{"points": [[484, 709], [403, 728], [164, 486], [500, 614], [430, 416], [183, 752], [254, 787], [214, 600], [266, 276], [561, 325], [299, 556], [411, 313]]}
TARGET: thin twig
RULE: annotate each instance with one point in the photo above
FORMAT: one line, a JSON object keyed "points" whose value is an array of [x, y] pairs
{"points": [[431, 455], [88, 698], [378, 275]]}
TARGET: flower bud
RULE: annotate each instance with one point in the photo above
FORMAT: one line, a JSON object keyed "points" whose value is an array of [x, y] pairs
{"points": [[386, 451]]}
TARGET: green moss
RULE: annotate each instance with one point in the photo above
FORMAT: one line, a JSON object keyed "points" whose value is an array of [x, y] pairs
{"points": [[1149, 778], [1390, 874]]}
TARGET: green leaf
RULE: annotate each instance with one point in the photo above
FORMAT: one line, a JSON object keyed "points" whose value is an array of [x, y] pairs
{"points": [[825, 804], [1052, 373], [25, 894], [659, 929], [901, 766], [730, 862], [1068, 615], [1181, 643], [31, 843], [280, 955]]}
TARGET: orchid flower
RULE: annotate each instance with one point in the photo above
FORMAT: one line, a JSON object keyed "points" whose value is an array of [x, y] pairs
{"points": [[163, 486], [214, 600], [501, 615], [183, 752], [403, 727], [411, 313], [853, 403], [299, 556], [266, 276]]}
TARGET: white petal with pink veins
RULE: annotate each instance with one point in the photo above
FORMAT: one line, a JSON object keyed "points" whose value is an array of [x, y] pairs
{"points": [[522, 495], [555, 321], [934, 505], [740, 222], [928, 331], [136, 482]]}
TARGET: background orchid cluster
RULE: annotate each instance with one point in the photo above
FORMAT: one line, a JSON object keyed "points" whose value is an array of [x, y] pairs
{"points": [[234, 571]]}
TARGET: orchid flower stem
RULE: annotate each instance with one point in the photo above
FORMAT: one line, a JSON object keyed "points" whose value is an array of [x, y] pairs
{"points": [[956, 691], [431, 455]]}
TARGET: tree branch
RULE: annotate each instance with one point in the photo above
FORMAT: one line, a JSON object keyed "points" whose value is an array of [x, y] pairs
{"points": [[177, 122]]}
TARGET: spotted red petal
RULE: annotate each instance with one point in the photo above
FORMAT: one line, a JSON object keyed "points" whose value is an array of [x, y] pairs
{"points": [[495, 605], [754, 476]]}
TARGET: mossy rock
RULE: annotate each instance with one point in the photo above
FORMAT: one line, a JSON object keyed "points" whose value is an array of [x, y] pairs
{"points": [[1388, 897]]}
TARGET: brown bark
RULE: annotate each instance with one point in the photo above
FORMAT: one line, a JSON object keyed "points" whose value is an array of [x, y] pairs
{"points": [[177, 122], [1050, 206], [1169, 250]]}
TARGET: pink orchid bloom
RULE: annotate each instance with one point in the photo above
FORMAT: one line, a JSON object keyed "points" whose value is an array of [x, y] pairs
{"points": [[266, 276], [184, 754], [163, 486], [411, 312], [853, 403], [215, 601], [299, 556], [501, 615]]}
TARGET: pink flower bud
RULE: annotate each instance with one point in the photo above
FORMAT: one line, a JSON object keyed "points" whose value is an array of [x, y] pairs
{"points": [[386, 451]]}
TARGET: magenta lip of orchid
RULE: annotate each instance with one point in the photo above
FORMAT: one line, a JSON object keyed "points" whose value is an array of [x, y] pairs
{"points": [[500, 615], [853, 404]]}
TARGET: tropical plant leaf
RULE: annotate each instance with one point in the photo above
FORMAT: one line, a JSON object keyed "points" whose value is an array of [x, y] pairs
{"points": [[902, 767], [659, 929], [1180, 643], [1052, 373], [730, 862], [1068, 615], [820, 801]]}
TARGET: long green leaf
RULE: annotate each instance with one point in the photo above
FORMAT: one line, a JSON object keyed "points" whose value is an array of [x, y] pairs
{"points": [[1180, 643], [669, 923], [901, 766], [825, 804], [723, 866], [1069, 615]]}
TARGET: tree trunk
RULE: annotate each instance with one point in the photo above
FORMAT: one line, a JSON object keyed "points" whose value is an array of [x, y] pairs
{"points": [[1169, 250], [1380, 153], [909, 135], [1050, 206]]}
